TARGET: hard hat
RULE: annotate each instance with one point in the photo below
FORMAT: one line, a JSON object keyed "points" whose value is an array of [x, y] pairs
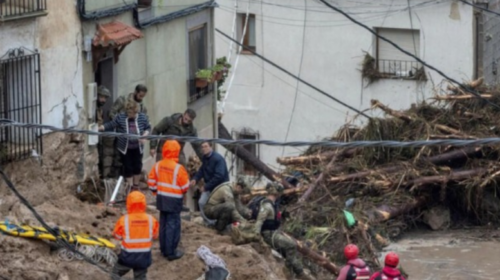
{"points": [[103, 91], [392, 259], [351, 251]]}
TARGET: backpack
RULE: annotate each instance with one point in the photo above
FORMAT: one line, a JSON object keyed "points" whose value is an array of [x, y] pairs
{"points": [[254, 206], [358, 273]]}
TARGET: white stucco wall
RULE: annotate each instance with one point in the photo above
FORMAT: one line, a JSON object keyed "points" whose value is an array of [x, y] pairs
{"points": [[57, 37], [262, 97]]}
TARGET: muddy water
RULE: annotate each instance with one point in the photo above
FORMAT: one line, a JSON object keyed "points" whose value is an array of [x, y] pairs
{"points": [[450, 255]]}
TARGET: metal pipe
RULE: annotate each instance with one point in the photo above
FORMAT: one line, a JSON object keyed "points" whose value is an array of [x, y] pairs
{"points": [[117, 188]]}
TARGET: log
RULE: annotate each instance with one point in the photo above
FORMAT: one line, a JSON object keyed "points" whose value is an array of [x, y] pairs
{"points": [[383, 213], [452, 136], [460, 97], [306, 159], [249, 158], [320, 259], [453, 176], [389, 111], [450, 130], [437, 160], [476, 83], [318, 180], [263, 192]]}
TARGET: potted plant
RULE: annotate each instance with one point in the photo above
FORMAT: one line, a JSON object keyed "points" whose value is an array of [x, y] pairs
{"points": [[203, 77], [218, 71], [223, 61]]}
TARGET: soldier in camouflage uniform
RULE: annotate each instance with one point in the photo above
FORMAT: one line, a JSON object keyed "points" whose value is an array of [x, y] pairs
{"points": [[180, 125], [138, 95], [267, 225], [224, 205], [102, 96]]}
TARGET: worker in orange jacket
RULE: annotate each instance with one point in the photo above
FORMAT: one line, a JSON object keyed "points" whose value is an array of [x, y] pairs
{"points": [[136, 230], [169, 181]]}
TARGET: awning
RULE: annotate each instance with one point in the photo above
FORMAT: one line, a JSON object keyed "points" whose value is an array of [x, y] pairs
{"points": [[115, 34]]}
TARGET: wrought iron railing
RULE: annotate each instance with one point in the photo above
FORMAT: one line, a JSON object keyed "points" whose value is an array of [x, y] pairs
{"points": [[196, 93], [398, 68], [18, 8], [20, 100]]}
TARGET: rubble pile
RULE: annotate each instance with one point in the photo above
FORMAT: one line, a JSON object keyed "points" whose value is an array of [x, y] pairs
{"points": [[388, 190]]}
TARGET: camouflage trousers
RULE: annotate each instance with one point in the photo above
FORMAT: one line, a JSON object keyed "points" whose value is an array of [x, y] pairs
{"points": [[224, 213], [286, 247]]}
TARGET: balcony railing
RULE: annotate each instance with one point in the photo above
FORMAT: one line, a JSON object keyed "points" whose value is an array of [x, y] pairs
{"points": [[400, 69], [16, 9], [196, 93]]}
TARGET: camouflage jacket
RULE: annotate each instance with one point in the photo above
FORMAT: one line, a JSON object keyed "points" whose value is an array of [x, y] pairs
{"points": [[99, 116], [171, 126], [224, 194], [119, 106], [266, 212]]}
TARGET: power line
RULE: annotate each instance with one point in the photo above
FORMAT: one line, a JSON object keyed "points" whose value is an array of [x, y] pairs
{"points": [[409, 54], [331, 144], [480, 7], [292, 75]]}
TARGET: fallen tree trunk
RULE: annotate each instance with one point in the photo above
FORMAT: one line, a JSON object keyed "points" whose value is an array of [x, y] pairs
{"points": [[461, 97], [321, 260], [249, 158], [385, 212], [306, 159], [263, 192], [389, 111], [438, 160], [456, 175], [318, 181]]}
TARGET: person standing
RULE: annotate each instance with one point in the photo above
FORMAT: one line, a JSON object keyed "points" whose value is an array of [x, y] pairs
{"points": [[137, 96], [136, 230], [179, 125], [131, 122], [102, 97], [214, 172], [169, 181]]}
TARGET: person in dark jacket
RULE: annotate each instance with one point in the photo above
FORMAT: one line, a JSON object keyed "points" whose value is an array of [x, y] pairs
{"points": [[390, 271], [214, 173], [130, 122], [356, 268], [179, 125]]}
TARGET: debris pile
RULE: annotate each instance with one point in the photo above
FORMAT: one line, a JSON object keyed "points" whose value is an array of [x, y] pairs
{"points": [[388, 190]]}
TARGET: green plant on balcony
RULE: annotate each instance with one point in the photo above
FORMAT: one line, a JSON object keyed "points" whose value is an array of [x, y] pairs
{"points": [[204, 77], [223, 67]]}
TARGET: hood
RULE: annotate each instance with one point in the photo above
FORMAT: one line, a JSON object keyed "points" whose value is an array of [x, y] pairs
{"points": [[136, 202], [357, 262], [391, 271], [171, 150]]}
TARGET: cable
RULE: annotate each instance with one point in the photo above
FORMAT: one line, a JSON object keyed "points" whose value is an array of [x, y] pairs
{"points": [[480, 8], [412, 29], [332, 144], [298, 75], [292, 75], [249, 58], [409, 54], [52, 231]]}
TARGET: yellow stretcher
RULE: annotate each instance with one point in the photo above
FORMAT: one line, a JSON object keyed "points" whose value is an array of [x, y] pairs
{"points": [[42, 233]]}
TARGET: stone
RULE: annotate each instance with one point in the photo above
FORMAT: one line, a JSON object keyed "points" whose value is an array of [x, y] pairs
{"points": [[438, 218]]}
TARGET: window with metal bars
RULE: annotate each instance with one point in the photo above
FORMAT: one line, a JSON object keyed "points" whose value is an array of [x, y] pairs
{"points": [[17, 9], [20, 100]]}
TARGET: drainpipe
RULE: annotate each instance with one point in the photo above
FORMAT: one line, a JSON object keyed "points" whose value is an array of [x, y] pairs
{"points": [[215, 93], [103, 13]]}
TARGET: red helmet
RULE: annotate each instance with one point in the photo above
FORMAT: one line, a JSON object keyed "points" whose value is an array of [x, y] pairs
{"points": [[351, 251], [392, 259]]}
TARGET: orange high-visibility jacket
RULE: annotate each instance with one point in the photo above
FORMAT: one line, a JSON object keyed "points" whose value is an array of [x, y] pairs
{"points": [[136, 230], [168, 179]]}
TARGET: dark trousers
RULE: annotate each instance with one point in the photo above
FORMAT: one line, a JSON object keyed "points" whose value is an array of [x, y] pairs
{"points": [[120, 270], [170, 232]]}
